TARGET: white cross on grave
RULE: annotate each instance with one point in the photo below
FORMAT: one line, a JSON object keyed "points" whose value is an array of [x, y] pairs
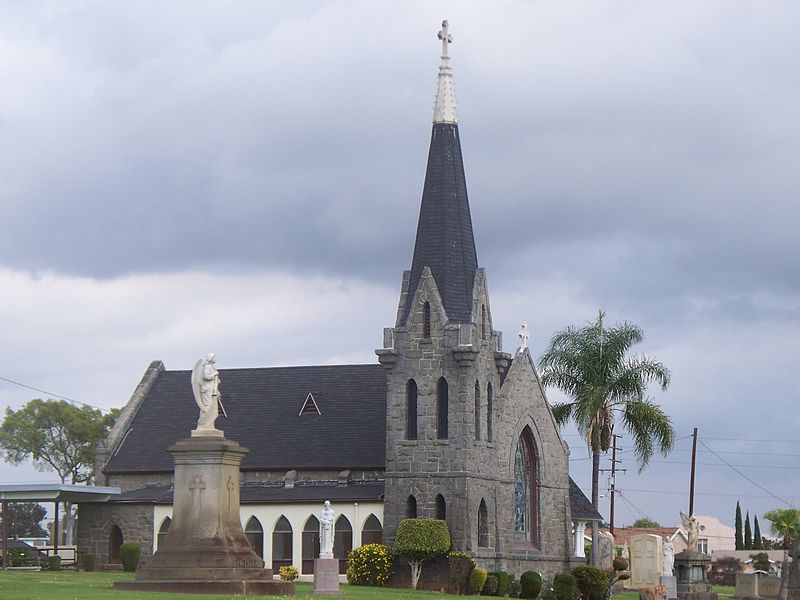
{"points": [[445, 37]]}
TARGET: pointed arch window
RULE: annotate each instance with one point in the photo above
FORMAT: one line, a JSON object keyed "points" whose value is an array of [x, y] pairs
{"points": [[372, 532], [442, 401], [411, 507], [254, 533], [342, 542], [162, 532], [310, 544], [441, 507], [281, 543], [489, 412], [483, 321], [411, 410], [483, 525], [525, 489], [115, 540], [477, 411], [426, 320]]}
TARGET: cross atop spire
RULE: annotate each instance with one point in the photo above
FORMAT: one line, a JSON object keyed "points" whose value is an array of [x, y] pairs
{"points": [[444, 110]]}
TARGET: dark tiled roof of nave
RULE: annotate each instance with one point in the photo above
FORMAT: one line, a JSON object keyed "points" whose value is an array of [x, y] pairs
{"points": [[581, 506], [370, 491], [263, 406], [445, 241]]}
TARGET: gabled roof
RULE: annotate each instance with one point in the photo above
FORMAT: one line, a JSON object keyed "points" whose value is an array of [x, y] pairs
{"points": [[445, 242], [581, 507], [263, 405]]}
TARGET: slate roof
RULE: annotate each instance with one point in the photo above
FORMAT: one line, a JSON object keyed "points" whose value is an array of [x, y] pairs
{"points": [[264, 406], [445, 241], [272, 494], [581, 506]]}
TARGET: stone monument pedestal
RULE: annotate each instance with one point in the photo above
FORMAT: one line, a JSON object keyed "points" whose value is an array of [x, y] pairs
{"points": [[326, 576], [205, 550], [669, 583], [691, 570]]}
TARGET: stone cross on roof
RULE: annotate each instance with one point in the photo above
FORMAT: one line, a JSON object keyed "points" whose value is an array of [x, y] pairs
{"points": [[523, 337], [445, 37], [444, 109]]}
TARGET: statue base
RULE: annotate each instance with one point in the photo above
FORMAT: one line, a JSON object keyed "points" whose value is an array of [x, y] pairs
{"points": [[326, 576], [669, 583], [691, 570], [205, 550]]}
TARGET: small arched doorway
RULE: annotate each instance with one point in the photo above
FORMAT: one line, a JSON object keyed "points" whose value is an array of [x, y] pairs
{"points": [[114, 542]]}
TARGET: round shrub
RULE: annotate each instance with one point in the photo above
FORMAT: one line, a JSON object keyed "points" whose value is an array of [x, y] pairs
{"points": [[530, 584], [370, 564], [490, 587], [513, 588], [460, 565], [503, 581], [620, 564], [565, 587], [53, 563], [591, 581], [89, 561], [476, 581], [129, 554], [288, 573]]}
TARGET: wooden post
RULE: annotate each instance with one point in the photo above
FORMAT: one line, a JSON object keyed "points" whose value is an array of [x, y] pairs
{"points": [[691, 484]]}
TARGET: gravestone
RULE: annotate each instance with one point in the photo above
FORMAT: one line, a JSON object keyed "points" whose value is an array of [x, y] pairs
{"points": [[691, 569], [647, 560], [670, 584], [605, 556], [746, 586], [768, 586]]}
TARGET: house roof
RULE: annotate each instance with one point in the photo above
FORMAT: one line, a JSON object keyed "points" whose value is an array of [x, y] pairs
{"points": [[445, 242], [263, 406]]}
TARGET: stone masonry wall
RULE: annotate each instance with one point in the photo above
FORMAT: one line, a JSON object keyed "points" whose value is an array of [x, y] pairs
{"points": [[95, 522]]}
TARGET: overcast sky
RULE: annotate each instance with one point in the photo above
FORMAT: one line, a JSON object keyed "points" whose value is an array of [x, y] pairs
{"points": [[245, 177]]}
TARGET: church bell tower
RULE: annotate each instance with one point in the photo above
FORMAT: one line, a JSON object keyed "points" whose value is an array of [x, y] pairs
{"points": [[443, 359]]}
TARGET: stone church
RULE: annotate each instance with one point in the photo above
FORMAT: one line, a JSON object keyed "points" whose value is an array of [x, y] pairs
{"points": [[446, 426]]}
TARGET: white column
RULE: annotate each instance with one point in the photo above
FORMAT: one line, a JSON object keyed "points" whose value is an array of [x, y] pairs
{"points": [[356, 527], [580, 529]]}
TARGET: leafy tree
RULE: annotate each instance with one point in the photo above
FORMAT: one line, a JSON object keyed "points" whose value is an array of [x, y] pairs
{"points": [[56, 436], [419, 540], [748, 534], [758, 542], [591, 365], [739, 538], [760, 561], [25, 520], [785, 523], [645, 522]]}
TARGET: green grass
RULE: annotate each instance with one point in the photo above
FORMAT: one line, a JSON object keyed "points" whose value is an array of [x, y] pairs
{"points": [[71, 585]]}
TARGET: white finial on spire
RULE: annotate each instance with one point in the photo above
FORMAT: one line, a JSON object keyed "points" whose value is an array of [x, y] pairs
{"points": [[444, 110], [523, 337]]}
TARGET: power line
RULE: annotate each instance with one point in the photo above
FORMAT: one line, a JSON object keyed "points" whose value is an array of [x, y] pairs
{"points": [[735, 470], [676, 493], [678, 462], [53, 395]]}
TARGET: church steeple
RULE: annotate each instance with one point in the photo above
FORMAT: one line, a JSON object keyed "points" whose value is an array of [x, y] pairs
{"points": [[445, 241]]}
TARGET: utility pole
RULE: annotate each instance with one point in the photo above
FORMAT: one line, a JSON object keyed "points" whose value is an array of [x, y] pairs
{"points": [[691, 483], [613, 480]]}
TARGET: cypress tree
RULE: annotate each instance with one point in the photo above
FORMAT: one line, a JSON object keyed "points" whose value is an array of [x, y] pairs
{"points": [[757, 541], [748, 536], [739, 540]]}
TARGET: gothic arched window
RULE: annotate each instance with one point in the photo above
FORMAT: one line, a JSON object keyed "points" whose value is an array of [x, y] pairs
{"points": [[477, 411], [162, 531], [441, 409], [483, 321], [281, 544], [310, 549], [525, 491], [411, 410], [441, 507], [489, 409], [254, 533], [483, 525], [411, 507], [342, 542], [426, 320], [372, 532]]}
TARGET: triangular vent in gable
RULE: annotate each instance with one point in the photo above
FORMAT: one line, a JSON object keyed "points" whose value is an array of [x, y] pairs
{"points": [[309, 406]]}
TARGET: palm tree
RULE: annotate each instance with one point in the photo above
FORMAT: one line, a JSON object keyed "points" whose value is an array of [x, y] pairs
{"points": [[590, 364], [785, 522]]}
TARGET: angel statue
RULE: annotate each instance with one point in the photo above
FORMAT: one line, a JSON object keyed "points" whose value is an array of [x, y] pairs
{"points": [[692, 527], [205, 385]]}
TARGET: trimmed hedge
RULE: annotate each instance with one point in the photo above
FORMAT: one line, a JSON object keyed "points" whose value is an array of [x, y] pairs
{"points": [[565, 587], [490, 587], [88, 561], [370, 564], [461, 565], [503, 582], [476, 581], [129, 554], [530, 584], [591, 581], [421, 539], [53, 563]]}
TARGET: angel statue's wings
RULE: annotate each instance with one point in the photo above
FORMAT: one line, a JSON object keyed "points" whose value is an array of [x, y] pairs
{"points": [[197, 378]]}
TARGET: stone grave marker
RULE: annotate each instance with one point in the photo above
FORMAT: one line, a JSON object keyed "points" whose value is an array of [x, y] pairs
{"points": [[647, 560]]}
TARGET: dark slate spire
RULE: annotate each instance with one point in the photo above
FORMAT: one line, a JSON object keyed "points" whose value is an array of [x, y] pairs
{"points": [[445, 242]]}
